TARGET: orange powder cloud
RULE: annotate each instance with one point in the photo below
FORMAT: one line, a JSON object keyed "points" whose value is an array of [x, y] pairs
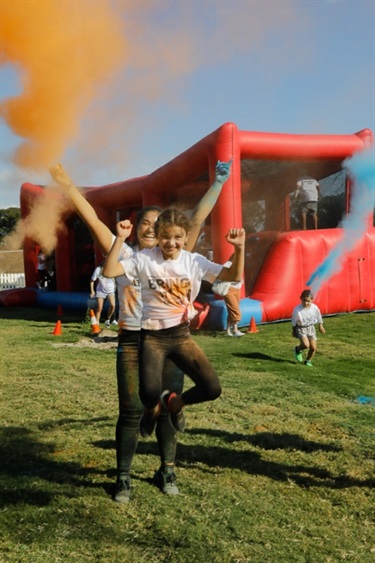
{"points": [[44, 223], [64, 51], [70, 54]]}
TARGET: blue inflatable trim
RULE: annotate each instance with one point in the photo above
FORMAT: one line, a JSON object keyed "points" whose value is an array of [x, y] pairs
{"points": [[217, 315], [74, 301], [215, 320]]}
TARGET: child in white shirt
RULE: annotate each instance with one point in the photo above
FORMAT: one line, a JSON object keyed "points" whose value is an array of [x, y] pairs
{"points": [[304, 318]]}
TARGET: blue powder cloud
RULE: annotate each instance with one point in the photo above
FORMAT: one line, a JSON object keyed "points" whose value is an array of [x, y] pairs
{"points": [[361, 167]]}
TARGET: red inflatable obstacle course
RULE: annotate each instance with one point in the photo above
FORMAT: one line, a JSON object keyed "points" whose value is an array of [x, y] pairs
{"points": [[21, 297], [280, 257]]}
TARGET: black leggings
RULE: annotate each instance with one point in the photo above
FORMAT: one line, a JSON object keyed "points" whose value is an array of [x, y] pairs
{"points": [[130, 406], [175, 344]]}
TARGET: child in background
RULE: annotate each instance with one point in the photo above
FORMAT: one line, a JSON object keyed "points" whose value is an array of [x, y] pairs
{"points": [[103, 288], [170, 279], [304, 318], [232, 302], [42, 271]]}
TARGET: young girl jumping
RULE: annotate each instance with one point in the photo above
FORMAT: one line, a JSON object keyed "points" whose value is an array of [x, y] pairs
{"points": [[170, 279], [304, 318]]}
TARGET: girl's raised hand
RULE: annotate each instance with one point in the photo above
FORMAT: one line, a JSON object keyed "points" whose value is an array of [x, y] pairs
{"points": [[124, 229], [236, 237], [222, 171], [60, 176]]}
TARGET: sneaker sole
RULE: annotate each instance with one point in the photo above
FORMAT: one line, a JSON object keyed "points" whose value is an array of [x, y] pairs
{"points": [[178, 426], [123, 496], [147, 431], [121, 499], [170, 490]]}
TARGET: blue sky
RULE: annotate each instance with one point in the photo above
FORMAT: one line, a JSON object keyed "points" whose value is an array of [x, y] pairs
{"points": [[275, 66]]}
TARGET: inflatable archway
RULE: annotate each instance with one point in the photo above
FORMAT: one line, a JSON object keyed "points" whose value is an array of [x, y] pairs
{"points": [[280, 256]]}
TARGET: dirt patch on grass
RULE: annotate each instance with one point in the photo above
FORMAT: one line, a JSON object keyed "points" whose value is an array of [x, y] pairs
{"points": [[106, 340]]}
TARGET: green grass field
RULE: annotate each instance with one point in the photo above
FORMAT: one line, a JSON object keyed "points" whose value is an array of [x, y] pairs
{"points": [[279, 469]]}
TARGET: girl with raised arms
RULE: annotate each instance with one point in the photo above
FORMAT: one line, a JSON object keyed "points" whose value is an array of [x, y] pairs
{"points": [[170, 279]]}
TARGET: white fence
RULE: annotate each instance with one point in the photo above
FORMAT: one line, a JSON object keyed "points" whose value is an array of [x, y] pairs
{"points": [[11, 281]]}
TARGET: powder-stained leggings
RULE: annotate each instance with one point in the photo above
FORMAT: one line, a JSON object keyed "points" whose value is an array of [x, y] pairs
{"points": [[175, 344], [130, 406]]}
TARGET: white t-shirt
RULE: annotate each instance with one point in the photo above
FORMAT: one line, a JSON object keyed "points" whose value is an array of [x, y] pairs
{"points": [[129, 296], [169, 287], [41, 261], [307, 189], [104, 285], [306, 316]]}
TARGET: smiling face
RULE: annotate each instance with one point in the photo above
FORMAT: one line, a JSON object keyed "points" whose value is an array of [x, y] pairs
{"points": [[172, 240], [145, 229]]}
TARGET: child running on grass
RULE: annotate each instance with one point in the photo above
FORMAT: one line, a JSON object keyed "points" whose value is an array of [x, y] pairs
{"points": [[170, 279], [304, 318]]}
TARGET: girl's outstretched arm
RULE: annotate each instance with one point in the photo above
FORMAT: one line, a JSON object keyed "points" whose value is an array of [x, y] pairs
{"points": [[101, 233], [206, 204]]}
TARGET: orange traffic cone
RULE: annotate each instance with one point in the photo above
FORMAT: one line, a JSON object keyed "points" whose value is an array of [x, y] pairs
{"points": [[252, 326], [95, 328], [57, 331]]}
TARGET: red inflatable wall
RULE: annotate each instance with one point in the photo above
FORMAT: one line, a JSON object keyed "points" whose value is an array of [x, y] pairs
{"points": [[287, 265], [294, 256]]}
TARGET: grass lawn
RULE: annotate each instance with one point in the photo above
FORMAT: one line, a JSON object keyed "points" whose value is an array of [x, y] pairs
{"points": [[279, 469]]}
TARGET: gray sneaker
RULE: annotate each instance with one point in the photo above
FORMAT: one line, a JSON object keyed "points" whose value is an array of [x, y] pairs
{"points": [[165, 479], [122, 490]]}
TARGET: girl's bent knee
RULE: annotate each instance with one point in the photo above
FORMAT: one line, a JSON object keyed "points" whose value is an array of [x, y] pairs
{"points": [[215, 392]]}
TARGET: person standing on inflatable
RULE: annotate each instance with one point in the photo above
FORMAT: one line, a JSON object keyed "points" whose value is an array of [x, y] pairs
{"points": [[307, 193]]}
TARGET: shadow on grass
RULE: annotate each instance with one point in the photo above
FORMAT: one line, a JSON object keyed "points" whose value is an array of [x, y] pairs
{"points": [[271, 441], [77, 422], [28, 467], [104, 339], [260, 356], [251, 462], [33, 474]]}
